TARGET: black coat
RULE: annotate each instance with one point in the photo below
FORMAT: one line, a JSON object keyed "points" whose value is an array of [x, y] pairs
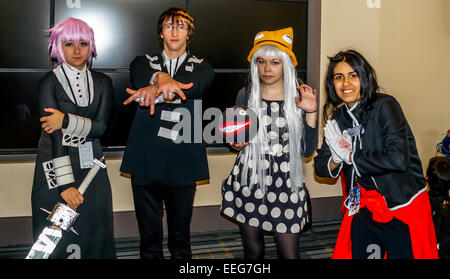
{"points": [[386, 157], [151, 156], [95, 223]]}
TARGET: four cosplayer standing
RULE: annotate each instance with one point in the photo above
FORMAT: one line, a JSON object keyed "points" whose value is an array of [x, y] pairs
{"points": [[265, 191], [369, 142], [74, 105], [165, 160]]}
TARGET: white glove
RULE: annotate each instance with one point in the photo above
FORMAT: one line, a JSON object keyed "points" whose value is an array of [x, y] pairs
{"points": [[334, 155], [340, 143]]}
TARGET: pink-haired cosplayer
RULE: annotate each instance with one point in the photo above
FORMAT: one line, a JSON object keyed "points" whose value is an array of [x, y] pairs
{"points": [[74, 103], [70, 29]]}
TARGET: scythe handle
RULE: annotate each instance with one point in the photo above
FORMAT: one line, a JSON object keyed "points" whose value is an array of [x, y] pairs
{"points": [[91, 174]]}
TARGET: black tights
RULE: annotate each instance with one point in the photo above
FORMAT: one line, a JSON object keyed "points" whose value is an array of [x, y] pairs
{"points": [[253, 242]]}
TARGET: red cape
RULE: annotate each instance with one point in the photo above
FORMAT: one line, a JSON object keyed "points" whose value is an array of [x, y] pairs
{"points": [[417, 215]]}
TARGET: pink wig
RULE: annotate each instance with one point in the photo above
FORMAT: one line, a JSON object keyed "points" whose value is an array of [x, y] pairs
{"points": [[70, 29]]}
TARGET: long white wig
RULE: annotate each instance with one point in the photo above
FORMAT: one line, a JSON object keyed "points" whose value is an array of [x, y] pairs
{"points": [[253, 155]]}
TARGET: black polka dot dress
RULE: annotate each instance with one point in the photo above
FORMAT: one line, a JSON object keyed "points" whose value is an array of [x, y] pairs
{"points": [[280, 210]]}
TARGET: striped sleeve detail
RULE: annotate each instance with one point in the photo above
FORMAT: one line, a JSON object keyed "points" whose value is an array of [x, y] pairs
{"points": [[77, 130], [58, 172]]}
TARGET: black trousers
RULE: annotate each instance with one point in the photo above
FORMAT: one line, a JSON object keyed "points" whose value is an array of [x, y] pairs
{"points": [[372, 240], [178, 198]]}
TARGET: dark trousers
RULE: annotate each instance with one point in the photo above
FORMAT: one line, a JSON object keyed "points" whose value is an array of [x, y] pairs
{"points": [[178, 198], [372, 240]]}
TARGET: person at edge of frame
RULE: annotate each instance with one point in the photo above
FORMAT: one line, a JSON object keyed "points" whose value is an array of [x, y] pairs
{"points": [[74, 105], [438, 180], [162, 171], [369, 143]]}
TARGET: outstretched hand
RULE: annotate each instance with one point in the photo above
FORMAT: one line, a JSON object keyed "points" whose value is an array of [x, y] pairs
{"points": [[147, 96], [167, 86], [162, 84]]}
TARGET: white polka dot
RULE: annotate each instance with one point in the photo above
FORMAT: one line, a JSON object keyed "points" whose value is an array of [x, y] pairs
{"points": [[253, 222], [284, 167], [229, 180], [273, 135], [238, 202], [258, 194], [288, 183], [286, 148], [303, 223], [279, 182], [275, 212], [285, 136], [263, 105], [229, 196], [229, 211], [294, 198], [240, 218], [295, 228], [266, 120], [283, 197], [300, 212], [267, 226], [274, 107], [276, 149], [289, 214], [268, 180], [236, 186], [271, 197], [306, 206], [249, 207], [262, 209], [281, 228], [246, 191], [275, 167], [235, 170], [281, 122], [302, 194]]}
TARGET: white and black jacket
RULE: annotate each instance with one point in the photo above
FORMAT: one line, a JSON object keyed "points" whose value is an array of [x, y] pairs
{"points": [[385, 156], [151, 151]]}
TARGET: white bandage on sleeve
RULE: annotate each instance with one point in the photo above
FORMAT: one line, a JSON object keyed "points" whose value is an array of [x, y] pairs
{"points": [[58, 172], [86, 129], [77, 130]]}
